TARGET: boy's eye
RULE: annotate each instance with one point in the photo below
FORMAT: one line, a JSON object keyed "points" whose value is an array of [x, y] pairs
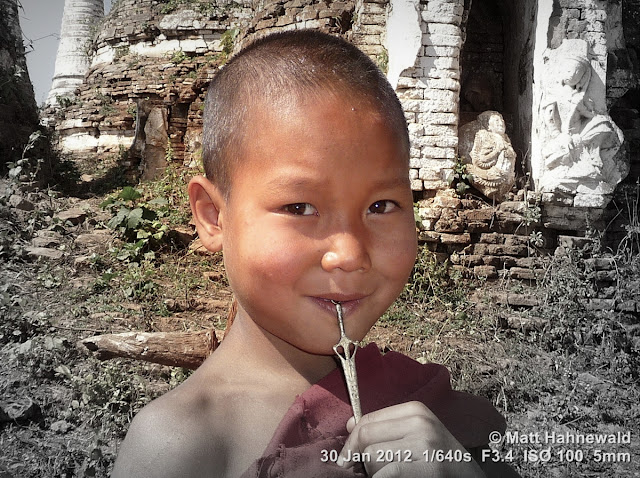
{"points": [[300, 209], [381, 207]]}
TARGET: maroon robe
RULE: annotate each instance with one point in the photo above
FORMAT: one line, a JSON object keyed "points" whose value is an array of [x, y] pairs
{"points": [[317, 419]]}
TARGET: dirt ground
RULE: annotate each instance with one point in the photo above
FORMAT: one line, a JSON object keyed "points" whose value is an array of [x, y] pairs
{"points": [[564, 376]]}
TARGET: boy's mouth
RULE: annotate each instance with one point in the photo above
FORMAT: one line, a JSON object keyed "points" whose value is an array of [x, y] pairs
{"points": [[349, 302]]}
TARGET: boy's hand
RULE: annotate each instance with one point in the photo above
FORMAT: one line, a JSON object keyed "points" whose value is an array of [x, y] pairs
{"points": [[406, 440]]}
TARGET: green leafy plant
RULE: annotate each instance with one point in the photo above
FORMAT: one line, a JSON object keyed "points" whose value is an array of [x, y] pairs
{"points": [[536, 239], [432, 286], [111, 395], [532, 214], [137, 281], [169, 153], [65, 102], [459, 179], [134, 60], [170, 6], [132, 110], [228, 41], [27, 166], [138, 223], [121, 51], [206, 8], [434, 282], [178, 57], [106, 104], [382, 61], [629, 246]]}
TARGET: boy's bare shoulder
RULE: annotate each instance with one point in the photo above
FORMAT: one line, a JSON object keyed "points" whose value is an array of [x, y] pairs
{"points": [[175, 435]]}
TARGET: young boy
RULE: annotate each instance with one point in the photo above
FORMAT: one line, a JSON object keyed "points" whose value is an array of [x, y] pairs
{"points": [[307, 194]]}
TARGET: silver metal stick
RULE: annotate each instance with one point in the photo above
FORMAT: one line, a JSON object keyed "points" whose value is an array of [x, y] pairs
{"points": [[348, 360]]}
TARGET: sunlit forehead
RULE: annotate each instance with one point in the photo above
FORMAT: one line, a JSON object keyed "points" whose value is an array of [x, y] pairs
{"points": [[309, 179]]}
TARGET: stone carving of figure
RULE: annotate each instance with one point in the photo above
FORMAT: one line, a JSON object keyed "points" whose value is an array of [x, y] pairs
{"points": [[579, 143], [489, 156]]}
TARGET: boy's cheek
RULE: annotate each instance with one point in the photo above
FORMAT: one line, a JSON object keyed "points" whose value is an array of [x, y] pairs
{"points": [[401, 251], [265, 263]]}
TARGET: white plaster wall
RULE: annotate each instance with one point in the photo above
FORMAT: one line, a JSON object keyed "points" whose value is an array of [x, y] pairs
{"points": [[82, 141], [545, 8], [162, 47], [404, 37]]}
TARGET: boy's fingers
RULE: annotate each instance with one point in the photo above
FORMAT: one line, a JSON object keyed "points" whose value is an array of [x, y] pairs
{"points": [[351, 424], [403, 410], [397, 411], [390, 413], [383, 440], [366, 434]]}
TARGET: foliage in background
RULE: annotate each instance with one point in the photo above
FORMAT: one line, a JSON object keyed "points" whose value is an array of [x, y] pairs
{"points": [[382, 60], [434, 293], [629, 247], [228, 42], [39, 165], [178, 57], [27, 166], [138, 223], [459, 179]]}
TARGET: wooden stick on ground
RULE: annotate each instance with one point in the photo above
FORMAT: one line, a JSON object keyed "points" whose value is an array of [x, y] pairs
{"points": [[177, 349]]}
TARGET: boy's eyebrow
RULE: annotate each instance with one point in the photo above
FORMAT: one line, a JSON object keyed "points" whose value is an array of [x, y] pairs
{"points": [[286, 181], [282, 182]]}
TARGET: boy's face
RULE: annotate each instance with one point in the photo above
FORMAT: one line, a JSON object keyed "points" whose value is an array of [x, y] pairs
{"points": [[320, 209]]}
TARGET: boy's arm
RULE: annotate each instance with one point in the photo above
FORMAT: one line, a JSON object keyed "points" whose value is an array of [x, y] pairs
{"points": [[160, 443], [408, 440]]}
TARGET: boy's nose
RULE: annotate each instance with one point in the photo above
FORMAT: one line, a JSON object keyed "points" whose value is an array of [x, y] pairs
{"points": [[346, 252]]}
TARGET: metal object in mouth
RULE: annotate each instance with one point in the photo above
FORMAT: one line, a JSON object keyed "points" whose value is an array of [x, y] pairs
{"points": [[348, 360]]}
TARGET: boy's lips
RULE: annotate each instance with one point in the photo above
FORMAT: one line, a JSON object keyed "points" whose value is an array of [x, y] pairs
{"points": [[349, 302]]}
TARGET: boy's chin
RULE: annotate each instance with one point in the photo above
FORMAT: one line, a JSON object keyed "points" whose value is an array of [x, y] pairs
{"points": [[319, 349]]}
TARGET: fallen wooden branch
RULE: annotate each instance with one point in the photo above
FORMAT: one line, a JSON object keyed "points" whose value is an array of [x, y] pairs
{"points": [[177, 349]]}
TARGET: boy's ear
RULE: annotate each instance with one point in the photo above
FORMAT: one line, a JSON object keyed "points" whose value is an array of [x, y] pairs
{"points": [[206, 203]]}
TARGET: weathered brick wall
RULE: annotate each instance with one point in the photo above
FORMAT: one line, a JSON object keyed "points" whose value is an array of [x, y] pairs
{"points": [[483, 58], [145, 51], [281, 15], [487, 241], [103, 115], [581, 19], [623, 91], [429, 93], [153, 28], [369, 31]]}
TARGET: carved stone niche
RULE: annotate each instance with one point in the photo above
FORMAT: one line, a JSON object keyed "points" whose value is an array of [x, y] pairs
{"points": [[488, 154], [580, 141], [154, 147]]}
